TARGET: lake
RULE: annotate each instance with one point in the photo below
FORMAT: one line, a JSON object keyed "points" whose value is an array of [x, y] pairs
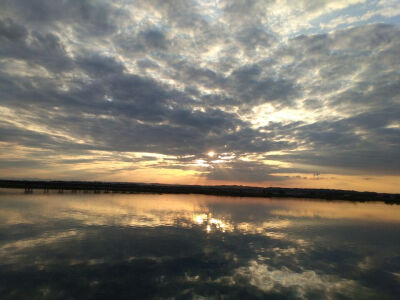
{"points": [[148, 246]]}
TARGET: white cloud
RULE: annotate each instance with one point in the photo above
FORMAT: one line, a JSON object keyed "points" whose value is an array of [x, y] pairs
{"points": [[267, 280]]}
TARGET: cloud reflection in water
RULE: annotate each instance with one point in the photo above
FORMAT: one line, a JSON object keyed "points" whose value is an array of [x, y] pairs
{"points": [[183, 246]]}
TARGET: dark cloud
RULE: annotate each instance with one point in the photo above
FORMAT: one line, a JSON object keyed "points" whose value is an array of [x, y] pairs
{"points": [[33, 47], [12, 31], [86, 17], [181, 78], [96, 65], [181, 13], [253, 37], [147, 64], [243, 12], [144, 41], [252, 89], [363, 142]]}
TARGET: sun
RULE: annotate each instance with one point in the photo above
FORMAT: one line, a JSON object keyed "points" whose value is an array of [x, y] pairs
{"points": [[211, 153]]}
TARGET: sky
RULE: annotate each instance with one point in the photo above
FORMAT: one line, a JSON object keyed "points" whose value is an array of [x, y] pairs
{"points": [[289, 93]]}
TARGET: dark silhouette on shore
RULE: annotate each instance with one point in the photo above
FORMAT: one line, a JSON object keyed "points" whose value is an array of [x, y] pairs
{"points": [[224, 190]]}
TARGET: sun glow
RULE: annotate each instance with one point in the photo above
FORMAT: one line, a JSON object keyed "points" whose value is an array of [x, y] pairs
{"points": [[211, 153], [212, 223]]}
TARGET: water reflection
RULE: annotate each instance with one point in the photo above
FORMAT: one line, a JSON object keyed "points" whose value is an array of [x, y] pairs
{"points": [[188, 246]]}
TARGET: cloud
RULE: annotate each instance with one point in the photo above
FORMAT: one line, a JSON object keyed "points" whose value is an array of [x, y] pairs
{"points": [[147, 40], [96, 65], [33, 47], [86, 17], [183, 77], [268, 280], [241, 171]]}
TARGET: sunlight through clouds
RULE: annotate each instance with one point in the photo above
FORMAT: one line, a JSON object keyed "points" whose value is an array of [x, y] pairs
{"points": [[201, 90]]}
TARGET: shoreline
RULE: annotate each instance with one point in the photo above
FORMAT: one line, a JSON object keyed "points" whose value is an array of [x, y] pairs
{"points": [[218, 190]]}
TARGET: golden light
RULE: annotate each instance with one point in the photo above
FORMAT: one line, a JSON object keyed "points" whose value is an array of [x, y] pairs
{"points": [[200, 163], [211, 154], [199, 219]]}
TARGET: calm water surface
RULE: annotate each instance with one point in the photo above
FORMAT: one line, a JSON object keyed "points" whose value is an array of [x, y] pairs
{"points": [[95, 246]]}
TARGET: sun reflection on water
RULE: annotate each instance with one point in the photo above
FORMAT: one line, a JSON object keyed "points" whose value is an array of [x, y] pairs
{"points": [[185, 239], [211, 223]]}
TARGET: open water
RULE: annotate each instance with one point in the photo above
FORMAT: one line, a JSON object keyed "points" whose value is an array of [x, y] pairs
{"points": [[147, 246]]}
